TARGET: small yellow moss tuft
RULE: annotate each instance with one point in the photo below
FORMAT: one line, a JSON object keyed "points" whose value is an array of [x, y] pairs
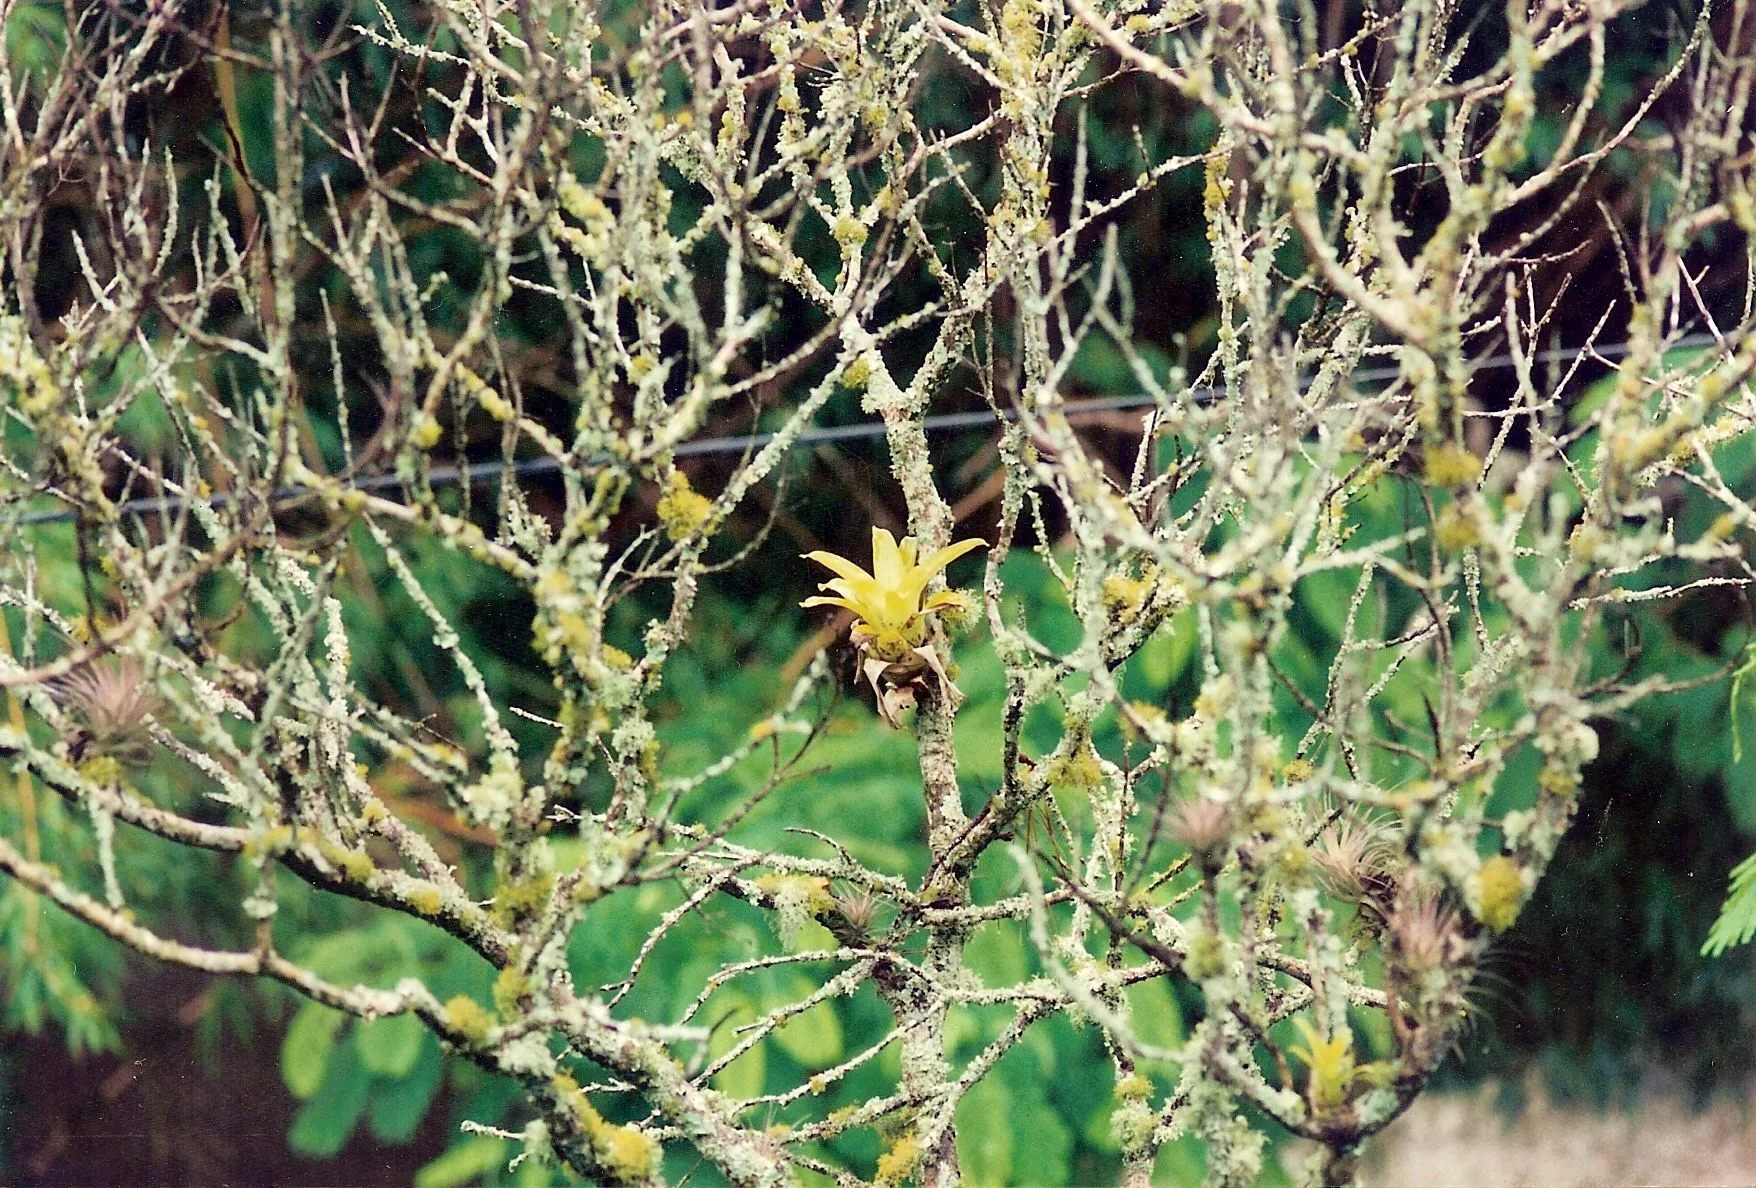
{"points": [[856, 375], [849, 231], [628, 1152], [269, 841], [1451, 465], [1124, 596], [1076, 767], [357, 865], [580, 202], [352, 863], [1557, 779], [523, 897], [1295, 861], [466, 1016], [426, 900], [101, 769], [837, 1120], [1207, 956], [23, 368], [1501, 885], [1134, 1087], [494, 404], [424, 433], [509, 987], [682, 511], [811, 890], [899, 1160], [798, 899], [1455, 531]]}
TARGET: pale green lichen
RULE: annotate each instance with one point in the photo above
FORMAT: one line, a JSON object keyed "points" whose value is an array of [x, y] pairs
{"points": [[1134, 1087], [493, 798], [523, 897], [23, 368], [798, 900]]}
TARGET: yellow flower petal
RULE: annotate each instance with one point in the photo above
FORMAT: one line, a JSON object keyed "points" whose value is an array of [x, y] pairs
{"points": [[841, 565], [887, 563], [950, 553], [819, 600], [888, 600]]}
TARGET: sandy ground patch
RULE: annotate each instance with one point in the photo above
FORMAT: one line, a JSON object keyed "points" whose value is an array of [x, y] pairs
{"points": [[1462, 1139]]}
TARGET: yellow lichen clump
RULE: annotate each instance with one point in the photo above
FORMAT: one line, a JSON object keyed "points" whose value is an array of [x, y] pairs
{"points": [[523, 897], [469, 1018], [1451, 465], [426, 899], [681, 510], [899, 1159], [1501, 886], [627, 1154], [509, 987], [425, 432]]}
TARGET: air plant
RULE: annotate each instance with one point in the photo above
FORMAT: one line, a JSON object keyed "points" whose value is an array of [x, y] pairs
{"points": [[1357, 863], [113, 705]]}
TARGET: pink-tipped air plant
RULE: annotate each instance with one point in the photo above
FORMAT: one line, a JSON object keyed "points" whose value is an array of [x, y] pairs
{"points": [[113, 705]]}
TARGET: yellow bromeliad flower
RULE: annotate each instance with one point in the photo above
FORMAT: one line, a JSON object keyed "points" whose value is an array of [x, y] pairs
{"points": [[888, 600], [1331, 1062]]}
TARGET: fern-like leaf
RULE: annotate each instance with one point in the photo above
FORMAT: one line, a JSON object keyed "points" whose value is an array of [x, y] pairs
{"points": [[1737, 919]]}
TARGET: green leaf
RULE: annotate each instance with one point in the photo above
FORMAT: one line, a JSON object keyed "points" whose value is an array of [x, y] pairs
{"points": [[746, 1075], [304, 1053], [814, 1038], [1009, 1134], [1167, 653], [1048, 1143], [470, 1160], [391, 1045], [985, 1133], [1326, 596], [997, 956], [1157, 1018], [398, 1106], [327, 1121]]}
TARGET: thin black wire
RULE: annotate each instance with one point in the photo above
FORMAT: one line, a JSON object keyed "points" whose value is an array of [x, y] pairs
{"points": [[486, 472]]}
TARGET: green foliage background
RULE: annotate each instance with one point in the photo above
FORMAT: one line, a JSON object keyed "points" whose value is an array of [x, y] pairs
{"points": [[1602, 974]]}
